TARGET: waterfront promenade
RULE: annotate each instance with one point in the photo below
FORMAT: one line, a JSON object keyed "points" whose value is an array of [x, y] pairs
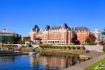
{"points": [[83, 65]]}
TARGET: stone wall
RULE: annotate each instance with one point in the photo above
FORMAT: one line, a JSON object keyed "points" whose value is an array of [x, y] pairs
{"points": [[98, 48]]}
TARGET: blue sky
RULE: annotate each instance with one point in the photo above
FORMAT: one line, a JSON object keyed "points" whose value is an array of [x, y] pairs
{"points": [[20, 16]]}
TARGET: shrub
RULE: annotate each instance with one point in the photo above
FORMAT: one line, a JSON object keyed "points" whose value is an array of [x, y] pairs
{"points": [[61, 47], [45, 46], [74, 47], [65, 47], [78, 47], [83, 48], [69, 47], [23, 46]]}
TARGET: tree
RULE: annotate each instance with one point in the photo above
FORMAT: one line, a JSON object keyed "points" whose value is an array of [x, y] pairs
{"points": [[74, 38], [103, 35], [103, 32], [89, 41], [17, 39], [104, 48]]}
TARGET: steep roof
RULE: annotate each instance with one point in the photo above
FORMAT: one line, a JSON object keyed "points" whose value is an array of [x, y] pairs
{"points": [[65, 26]]}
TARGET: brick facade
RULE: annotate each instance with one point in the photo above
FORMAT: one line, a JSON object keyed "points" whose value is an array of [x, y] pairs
{"points": [[61, 34]]}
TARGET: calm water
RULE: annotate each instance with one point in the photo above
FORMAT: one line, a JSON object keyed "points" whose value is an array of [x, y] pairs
{"points": [[37, 62]]}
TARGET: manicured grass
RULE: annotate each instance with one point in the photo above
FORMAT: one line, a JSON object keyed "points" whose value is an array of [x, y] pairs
{"points": [[93, 66]]}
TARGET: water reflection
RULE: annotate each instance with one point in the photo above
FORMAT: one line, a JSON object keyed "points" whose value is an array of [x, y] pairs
{"points": [[7, 59], [53, 61], [42, 61]]}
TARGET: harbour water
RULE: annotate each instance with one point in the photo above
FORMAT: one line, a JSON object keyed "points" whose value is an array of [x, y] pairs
{"points": [[37, 62]]}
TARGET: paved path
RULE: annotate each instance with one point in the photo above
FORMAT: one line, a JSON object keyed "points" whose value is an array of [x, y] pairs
{"points": [[83, 65]]}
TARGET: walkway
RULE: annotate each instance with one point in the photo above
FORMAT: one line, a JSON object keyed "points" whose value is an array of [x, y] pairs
{"points": [[83, 65]]}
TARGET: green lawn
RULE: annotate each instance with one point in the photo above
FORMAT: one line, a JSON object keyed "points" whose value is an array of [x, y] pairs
{"points": [[93, 66]]}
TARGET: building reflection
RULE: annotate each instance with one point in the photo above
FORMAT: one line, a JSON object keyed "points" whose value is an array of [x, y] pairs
{"points": [[52, 63], [7, 59]]}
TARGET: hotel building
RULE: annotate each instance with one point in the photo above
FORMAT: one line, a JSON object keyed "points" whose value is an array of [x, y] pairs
{"points": [[62, 34]]}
